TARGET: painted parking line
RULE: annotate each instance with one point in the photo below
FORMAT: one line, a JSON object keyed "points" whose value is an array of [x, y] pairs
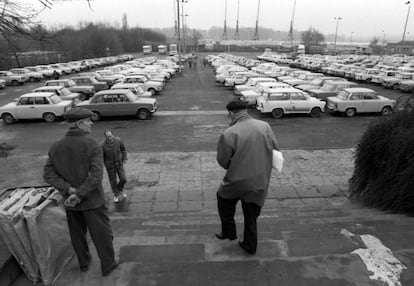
{"points": [[191, 112]]}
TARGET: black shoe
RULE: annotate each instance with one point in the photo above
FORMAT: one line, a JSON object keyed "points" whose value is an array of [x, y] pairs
{"points": [[246, 249], [84, 268], [110, 269], [222, 237]]}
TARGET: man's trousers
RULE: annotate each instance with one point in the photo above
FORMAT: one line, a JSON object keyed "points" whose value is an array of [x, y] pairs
{"points": [[96, 221], [251, 211]]}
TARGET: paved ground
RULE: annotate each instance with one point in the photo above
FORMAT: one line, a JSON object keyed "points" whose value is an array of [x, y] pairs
{"points": [[310, 233]]}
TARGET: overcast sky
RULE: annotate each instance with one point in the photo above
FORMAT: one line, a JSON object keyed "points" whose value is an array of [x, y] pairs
{"points": [[359, 17]]}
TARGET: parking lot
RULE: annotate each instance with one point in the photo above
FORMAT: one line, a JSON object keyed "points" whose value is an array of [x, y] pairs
{"points": [[190, 117]]}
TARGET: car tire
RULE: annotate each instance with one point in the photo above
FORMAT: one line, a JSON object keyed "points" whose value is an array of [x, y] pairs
{"points": [[315, 112], [8, 118], [49, 117], [350, 112], [277, 113], [15, 82], [32, 79], [143, 114], [96, 116], [386, 110]]}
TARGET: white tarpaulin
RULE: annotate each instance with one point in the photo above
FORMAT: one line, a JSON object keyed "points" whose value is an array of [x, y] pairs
{"points": [[33, 225]]}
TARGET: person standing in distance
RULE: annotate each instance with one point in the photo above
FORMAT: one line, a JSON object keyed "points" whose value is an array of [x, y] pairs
{"points": [[115, 156], [75, 168], [245, 150]]}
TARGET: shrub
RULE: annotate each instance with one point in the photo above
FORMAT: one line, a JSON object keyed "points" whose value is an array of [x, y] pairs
{"points": [[384, 164]]}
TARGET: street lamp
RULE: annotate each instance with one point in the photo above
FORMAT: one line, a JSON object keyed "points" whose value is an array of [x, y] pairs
{"points": [[336, 32], [406, 19], [183, 20]]}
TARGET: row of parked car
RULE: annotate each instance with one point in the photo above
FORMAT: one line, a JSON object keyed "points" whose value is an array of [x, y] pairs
{"points": [[281, 89], [18, 76], [117, 90]]}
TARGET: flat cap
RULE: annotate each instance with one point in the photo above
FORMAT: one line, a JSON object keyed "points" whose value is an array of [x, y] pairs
{"points": [[236, 105], [77, 113]]}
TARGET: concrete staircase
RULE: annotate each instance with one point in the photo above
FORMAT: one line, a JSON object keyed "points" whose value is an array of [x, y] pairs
{"points": [[301, 242]]}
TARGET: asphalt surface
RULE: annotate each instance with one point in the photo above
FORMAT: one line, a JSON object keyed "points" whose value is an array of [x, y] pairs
{"points": [[190, 118]]}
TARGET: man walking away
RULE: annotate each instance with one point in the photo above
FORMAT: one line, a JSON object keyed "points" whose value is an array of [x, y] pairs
{"points": [[115, 156], [75, 168], [245, 150]]}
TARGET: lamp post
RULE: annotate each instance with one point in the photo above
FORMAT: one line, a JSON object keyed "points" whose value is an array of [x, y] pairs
{"points": [[406, 19], [336, 32], [183, 20], [178, 32]]}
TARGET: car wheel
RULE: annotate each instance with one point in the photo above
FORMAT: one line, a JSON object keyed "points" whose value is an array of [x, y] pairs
{"points": [[31, 79], [15, 82], [49, 117], [152, 91], [386, 111], [277, 113], [96, 116], [315, 112], [350, 112], [143, 114], [8, 118]]}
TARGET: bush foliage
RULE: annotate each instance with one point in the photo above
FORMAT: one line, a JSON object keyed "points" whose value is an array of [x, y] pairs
{"points": [[384, 164]]}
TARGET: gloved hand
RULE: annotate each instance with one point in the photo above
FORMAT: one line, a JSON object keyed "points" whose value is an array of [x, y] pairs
{"points": [[72, 201]]}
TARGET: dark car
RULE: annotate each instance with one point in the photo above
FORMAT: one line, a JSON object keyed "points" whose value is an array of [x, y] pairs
{"points": [[331, 88], [120, 102], [85, 91]]}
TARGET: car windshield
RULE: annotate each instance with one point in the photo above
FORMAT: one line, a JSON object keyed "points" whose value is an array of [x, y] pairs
{"points": [[140, 90], [343, 95], [65, 91], [131, 96], [55, 99], [329, 87], [316, 81]]}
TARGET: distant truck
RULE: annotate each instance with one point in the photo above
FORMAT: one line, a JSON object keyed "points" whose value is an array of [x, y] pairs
{"points": [[147, 49], [162, 49], [173, 49]]}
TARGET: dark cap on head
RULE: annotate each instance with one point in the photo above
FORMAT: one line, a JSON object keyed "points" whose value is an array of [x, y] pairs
{"points": [[236, 105], [77, 113]]}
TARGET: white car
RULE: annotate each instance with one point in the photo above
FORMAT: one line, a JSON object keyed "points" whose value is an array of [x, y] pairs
{"points": [[250, 96], [291, 100], [136, 89], [36, 105], [63, 92], [28, 75], [148, 85], [2, 83], [251, 83]]}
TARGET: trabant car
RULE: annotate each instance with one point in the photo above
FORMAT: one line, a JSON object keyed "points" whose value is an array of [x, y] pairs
{"points": [[358, 100], [290, 100]]}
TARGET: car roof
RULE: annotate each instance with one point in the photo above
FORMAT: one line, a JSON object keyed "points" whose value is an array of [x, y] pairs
{"points": [[285, 89], [112, 91], [358, 89], [50, 87], [37, 94]]}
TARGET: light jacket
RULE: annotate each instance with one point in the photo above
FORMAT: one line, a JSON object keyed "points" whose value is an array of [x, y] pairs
{"points": [[76, 160], [114, 153], [245, 150]]}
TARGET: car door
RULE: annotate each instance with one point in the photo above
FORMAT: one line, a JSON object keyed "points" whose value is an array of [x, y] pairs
{"points": [[42, 105], [371, 102], [299, 103], [121, 105], [25, 108], [357, 101], [103, 104]]}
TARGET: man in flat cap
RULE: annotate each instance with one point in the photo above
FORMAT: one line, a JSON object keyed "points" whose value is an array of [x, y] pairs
{"points": [[75, 168], [245, 150]]}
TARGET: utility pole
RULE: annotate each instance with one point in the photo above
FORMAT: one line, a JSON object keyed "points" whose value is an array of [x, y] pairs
{"points": [[183, 21], [175, 20], [290, 35], [336, 32], [256, 31], [237, 34], [178, 32], [406, 19], [225, 37]]}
